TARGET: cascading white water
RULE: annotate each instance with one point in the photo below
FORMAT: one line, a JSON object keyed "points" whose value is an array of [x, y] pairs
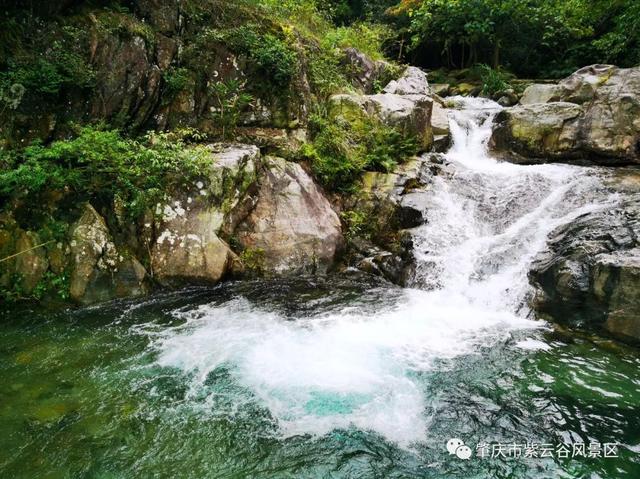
{"points": [[351, 368], [488, 219]]}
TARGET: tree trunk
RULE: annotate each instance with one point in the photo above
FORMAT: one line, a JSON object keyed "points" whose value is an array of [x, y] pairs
{"points": [[496, 55]]}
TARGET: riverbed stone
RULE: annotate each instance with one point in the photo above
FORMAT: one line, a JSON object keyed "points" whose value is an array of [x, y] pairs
{"points": [[101, 271]]}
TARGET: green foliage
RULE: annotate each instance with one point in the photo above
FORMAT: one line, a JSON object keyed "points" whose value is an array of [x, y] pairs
{"points": [[493, 80], [51, 285], [344, 148], [530, 37], [368, 38], [273, 56], [176, 80], [253, 260], [46, 72], [358, 224], [100, 164], [230, 101]]}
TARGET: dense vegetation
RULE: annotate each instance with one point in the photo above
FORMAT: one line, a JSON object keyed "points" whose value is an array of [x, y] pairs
{"points": [[46, 60]]}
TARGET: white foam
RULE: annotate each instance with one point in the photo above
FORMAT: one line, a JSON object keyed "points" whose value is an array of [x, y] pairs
{"points": [[335, 371]]}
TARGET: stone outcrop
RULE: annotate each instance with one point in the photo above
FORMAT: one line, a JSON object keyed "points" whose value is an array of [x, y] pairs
{"points": [[590, 274], [593, 116], [392, 204], [243, 210], [99, 270], [404, 105], [292, 225], [188, 246]]}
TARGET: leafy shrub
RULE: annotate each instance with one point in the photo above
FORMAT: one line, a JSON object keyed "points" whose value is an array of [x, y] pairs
{"points": [[63, 64], [493, 81], [274, 57], [365, 37], [231, 101], [176, 80], [101, 164], [357, 223], [342, 150]]}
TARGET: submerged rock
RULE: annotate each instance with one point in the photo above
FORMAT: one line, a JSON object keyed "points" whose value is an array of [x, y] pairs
{"points": [[292, 224], [590, 274], [592, 116]]}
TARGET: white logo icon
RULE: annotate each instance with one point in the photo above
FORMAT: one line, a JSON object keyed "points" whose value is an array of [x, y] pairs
{"points": [[456, 446]]}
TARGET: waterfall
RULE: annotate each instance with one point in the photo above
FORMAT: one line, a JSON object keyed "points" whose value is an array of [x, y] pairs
{"points": [[486, 219], [337, 366]]}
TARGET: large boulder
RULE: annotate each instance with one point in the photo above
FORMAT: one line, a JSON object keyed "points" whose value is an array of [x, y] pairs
{"points": [[188, 247], [292, 226], [412, 82], [405, 105], [539, 133], [590, 274], [100, 271], [592, 116]]}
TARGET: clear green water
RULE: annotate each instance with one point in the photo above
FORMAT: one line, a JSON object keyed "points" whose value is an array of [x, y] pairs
{"points": [[110, 392]]}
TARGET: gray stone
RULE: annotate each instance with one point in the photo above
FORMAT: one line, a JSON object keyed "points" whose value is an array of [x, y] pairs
{"points": [[292, 223]]}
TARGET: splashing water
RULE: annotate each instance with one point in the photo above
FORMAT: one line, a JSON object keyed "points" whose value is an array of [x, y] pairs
{"points": [[358, 367]]}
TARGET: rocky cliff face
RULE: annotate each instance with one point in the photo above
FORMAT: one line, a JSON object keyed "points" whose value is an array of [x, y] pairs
{"points": [[247, 213], [593, 116]]}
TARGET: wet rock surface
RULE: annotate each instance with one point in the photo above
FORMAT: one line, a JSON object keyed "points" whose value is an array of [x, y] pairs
{"points": [[590, 274]]}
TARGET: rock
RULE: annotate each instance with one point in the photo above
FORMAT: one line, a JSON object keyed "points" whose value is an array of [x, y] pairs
{"points": [[365, 73], [409, 111], [541, 93], [162, 14], [539, 132], [100, 271], [292, 222], [440, 120], [129, 81], [411, 115], [412, 82], [32, 264], [606, 131], [413, 207], [391, 202], [590, 274], [466, 89], [440, 89], [187, 247]]}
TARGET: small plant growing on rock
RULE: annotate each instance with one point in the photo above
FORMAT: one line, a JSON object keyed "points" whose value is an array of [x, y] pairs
{"points": [[230, 101], [253, 260]]}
